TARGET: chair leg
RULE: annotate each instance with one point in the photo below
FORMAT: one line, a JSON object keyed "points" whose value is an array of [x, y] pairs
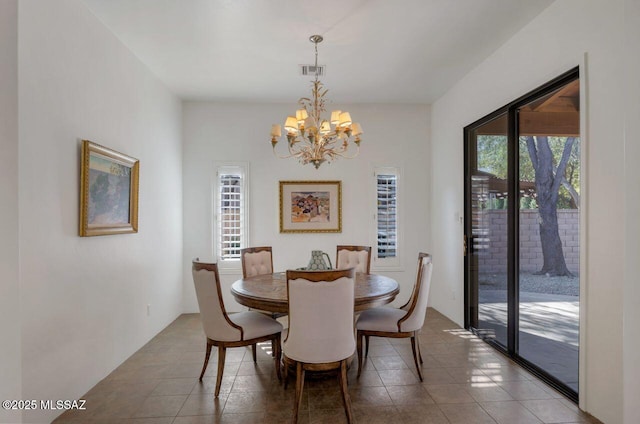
{"points": [[346, 400], [415, 355], [418, 346], [359, 337], [253, 351], [206, 359], [285, 377], [299, 386], [366, 352], [222, 352], [276, 355]]}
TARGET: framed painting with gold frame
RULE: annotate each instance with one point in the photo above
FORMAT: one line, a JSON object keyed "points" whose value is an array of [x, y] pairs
{"points": [[310, 206], [108, 191]]}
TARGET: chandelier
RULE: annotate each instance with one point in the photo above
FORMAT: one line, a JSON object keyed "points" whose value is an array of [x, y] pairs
{"points": [[312, 139]]}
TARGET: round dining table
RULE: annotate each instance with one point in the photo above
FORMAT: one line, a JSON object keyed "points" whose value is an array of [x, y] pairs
{"points": [[268, 292]]}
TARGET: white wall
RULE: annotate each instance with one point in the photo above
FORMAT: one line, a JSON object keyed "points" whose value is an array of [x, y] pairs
{"points": [[631, 317], [84, 300], [10, 382], [394, 135], [551, 44]]}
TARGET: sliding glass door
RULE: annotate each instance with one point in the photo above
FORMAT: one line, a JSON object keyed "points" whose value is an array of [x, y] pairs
{"points": [[487, 239], [522, 220]]}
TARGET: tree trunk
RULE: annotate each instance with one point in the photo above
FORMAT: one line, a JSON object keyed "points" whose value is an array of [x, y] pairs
{"points": [[547, 186]]}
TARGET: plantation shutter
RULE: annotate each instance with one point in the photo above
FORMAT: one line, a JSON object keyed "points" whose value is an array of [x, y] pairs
{"points": [[231, 217], [387, 225]]}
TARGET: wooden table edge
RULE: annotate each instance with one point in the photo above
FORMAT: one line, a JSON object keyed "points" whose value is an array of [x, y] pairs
{"points": [[283, 307]]}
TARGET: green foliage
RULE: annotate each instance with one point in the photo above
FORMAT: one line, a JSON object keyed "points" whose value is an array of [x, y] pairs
{"points": [[492, 155], [493, 203], [528, 203], [564, 199]]}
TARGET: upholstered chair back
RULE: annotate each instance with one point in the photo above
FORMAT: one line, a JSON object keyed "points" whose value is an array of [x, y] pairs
{"points": [[417, 307], [407, 305], [214, 318], [358, 257], [321, 310], [256, 261]]}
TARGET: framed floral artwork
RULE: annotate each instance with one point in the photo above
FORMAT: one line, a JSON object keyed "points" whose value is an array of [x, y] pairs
{"points": [[310, 206]]}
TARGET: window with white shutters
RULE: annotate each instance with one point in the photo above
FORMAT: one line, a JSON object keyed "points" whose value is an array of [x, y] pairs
{"points": [[387, 186], [386, 217], [231, 225]]}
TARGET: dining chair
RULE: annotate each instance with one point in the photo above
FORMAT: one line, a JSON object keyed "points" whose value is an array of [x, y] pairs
{"points": [[258, 261], [321, 329], [229, 330], [358, 257], [403, 322]]}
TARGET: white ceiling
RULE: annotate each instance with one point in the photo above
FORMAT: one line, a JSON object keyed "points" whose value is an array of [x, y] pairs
{"points": [[375, 51]]}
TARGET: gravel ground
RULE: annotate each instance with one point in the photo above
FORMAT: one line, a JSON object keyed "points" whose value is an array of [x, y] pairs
{"points": [[569, 286]]}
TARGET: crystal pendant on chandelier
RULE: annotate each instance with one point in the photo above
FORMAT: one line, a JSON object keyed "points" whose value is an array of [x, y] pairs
{"points": [[310, 137]]}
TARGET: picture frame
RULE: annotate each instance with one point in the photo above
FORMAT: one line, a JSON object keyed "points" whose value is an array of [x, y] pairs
{"points": [[108, 191], [310, 206]]}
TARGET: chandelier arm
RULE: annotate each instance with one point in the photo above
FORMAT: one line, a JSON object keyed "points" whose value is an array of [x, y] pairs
{"points": [[281, 157], [292, 152], [345, 156]]}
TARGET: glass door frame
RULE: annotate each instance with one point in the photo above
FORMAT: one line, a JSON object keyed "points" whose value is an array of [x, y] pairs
{"points": [[513, 225]]}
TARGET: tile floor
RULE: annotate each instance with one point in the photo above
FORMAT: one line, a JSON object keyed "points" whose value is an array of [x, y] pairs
{"points": [[465, 381]]}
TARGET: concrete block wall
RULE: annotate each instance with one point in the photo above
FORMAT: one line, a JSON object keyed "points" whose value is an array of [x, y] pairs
{"points": [[493, 256]]}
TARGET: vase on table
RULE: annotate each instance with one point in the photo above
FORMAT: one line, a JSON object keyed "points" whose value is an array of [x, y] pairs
{"points": [[317, 262]]}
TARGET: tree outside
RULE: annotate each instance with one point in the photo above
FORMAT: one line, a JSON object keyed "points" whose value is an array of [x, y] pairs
{"points": [[552, 165]]}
